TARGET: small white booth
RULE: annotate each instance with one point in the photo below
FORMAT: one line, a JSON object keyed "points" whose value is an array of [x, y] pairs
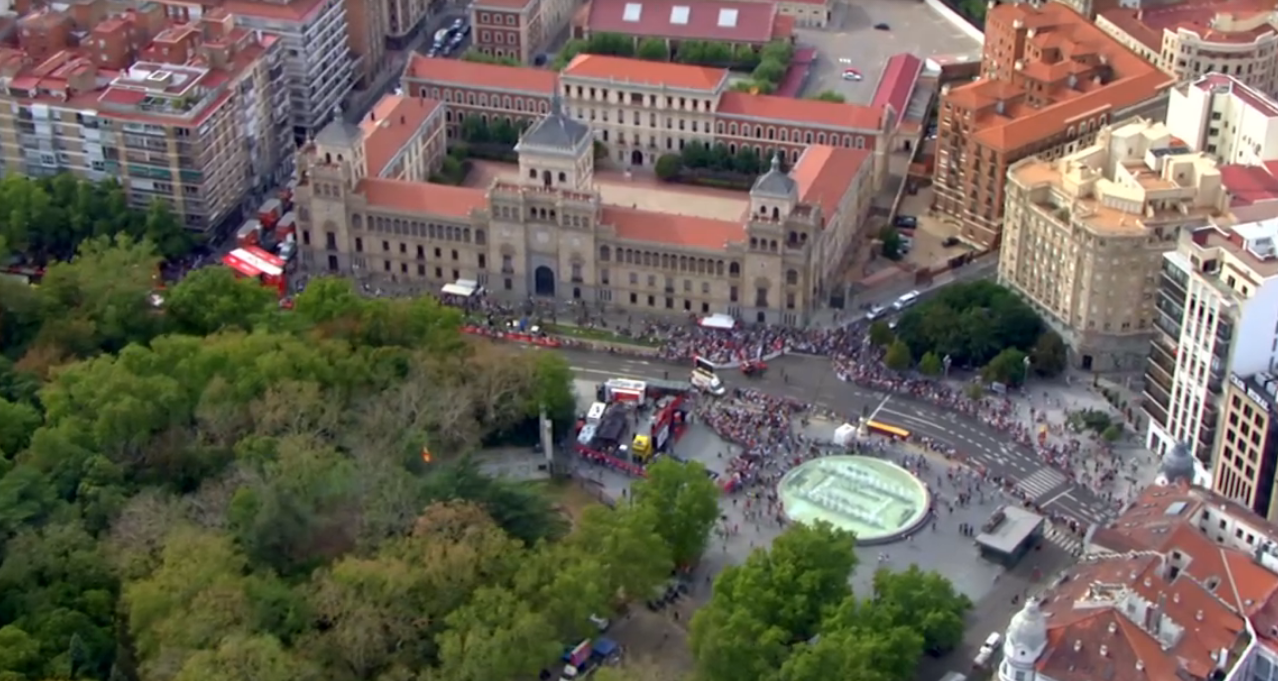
{"points": [[845, 435], [464, 288], [718, 321]]}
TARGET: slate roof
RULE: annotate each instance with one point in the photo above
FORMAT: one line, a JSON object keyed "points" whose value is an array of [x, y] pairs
{"points": [[556, 131], [776, 182]]}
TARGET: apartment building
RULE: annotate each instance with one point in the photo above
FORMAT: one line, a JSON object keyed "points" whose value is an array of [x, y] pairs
{"points": [[182, 113], [1182, 586], [1216, 315], [319, 70], [641, 110], [1084, 236], [508, 28], [1049, 81], [551, 233], [1246, 454], [1223, 116], [1190, 39], [405, 20]]}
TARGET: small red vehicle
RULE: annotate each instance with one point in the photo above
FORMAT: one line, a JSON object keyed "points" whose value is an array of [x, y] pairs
{"points": [[754, 368]]}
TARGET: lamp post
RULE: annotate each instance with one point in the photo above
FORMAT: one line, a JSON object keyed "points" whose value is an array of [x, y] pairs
{"points": [[945, 361], [1026, 362]]}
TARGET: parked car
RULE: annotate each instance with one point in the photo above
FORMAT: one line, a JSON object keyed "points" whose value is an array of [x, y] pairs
{"points": [[875, 312], [851, 75], [950, 241], [882, 27], [906, 221]]}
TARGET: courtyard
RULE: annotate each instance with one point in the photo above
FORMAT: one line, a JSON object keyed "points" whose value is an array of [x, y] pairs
{"points": [[915, 28]]}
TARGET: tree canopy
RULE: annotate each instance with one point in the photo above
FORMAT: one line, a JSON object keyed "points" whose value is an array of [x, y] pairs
{"points": [[788, 613], [217, 489]]}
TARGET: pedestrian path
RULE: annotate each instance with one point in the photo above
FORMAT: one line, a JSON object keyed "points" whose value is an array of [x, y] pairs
{"points": [[1042, 482], [1063, 539]]}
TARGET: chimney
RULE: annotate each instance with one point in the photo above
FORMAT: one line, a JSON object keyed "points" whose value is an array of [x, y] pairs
{"points": [[1199, 616]]}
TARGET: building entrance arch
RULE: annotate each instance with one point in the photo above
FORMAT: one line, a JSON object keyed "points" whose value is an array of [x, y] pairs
{"points": [[636, 158], [544, 281]]}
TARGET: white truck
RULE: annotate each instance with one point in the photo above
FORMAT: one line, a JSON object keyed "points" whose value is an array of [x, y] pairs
{"points": [[708, 382]]}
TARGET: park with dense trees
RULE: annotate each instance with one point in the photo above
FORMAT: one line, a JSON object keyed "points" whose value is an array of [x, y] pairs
{"points": [[977, 325]]}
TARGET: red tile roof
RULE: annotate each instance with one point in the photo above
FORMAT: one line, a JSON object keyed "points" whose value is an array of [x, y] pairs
{"points": [[671, 229], [390, 125], [1248, 185], [800, 111], [753, 21], [639, 72], [421, 197], [824, 174], [462, 73], [897, 83], [1148, 26]]}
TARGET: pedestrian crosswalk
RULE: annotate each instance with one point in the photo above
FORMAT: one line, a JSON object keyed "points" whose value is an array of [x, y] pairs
{"points": [[1063, 539], [1042, 482]]}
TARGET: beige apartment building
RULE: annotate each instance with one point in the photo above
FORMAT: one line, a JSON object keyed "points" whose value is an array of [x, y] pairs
{"points": [[1246, 457], [1191, 39], [551, 234], [187, 113], [1084, 236]]}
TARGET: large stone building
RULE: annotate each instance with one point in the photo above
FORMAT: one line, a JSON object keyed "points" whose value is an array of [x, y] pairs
{"points": [[1084, 236], [640, 110], [550, 233], [182, 111], [1192, 39], [1050, 79], [1246, 457]]}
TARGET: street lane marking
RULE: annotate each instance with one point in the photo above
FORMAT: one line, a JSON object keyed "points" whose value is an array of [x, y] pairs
{"points": [[1063, 493], [878, 409]]}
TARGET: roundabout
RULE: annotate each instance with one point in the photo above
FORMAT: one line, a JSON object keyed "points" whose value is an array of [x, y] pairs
{"points": [[877, 500]]}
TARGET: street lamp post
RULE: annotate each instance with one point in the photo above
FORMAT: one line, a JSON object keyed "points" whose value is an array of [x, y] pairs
{"points": [[946, 362], [1025, 379]]}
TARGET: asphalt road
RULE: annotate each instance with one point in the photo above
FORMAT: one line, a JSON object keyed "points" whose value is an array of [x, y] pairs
{"points": [[811, 380]]}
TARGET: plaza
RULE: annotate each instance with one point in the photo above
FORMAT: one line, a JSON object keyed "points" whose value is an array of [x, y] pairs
{"points": [[876, 500]]}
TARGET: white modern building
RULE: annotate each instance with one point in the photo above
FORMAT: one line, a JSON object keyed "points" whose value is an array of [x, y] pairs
{"points": [[1216, 313], [1219, 115], [319, 65]]}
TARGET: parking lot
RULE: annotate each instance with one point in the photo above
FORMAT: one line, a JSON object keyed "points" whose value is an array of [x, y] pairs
{"points": [[915, 28]]}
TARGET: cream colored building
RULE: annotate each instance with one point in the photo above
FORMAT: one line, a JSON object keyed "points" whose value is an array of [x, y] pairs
{"points": [[1084, 236], [550, 234], [1191, 40]]}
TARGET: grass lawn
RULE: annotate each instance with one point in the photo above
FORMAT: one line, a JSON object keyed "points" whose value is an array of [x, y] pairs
{"points": [[595, 334]]}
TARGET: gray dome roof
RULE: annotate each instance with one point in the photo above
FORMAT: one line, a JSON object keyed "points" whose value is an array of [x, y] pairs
{"points": [[556, 131], [776, 182], [1177, 464], [1027, 631], [339, 133]]}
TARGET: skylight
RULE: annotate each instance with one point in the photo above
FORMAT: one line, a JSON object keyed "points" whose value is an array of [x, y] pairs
{"points": [[679, 14], [632, 13], [727, 18]]}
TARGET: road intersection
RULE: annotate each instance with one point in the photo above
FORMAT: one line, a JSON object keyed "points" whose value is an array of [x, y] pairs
{"points": [[812, 380]]}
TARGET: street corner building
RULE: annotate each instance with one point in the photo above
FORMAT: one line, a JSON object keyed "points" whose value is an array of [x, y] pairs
{"points": [[1084, 236], [1181, 586], [1049, 80], [547, 227]]}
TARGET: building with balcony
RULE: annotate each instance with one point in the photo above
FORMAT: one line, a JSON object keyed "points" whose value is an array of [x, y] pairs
{"points": [[1084, 236], [1216, 315], [1192, 39], [641, 110], [184, 113], [1049, 81], [1182, 586], [1246, 457], [738, 23], [551, 234], [321, 62], [1226, 118]]}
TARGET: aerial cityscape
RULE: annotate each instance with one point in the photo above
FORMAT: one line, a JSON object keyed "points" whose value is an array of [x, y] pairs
{"points": [[639, 340]]}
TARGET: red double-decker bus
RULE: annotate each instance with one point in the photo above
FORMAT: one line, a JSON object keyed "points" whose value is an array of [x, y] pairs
{"points": [[257, 263]]}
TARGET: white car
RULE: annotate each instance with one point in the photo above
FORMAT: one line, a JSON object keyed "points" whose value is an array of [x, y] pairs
{"points": [[851, 75], [905, 301], [875, 312], [992, 642]]}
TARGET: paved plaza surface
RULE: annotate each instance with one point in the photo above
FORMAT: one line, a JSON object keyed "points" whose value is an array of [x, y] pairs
{"points": [[639, 190], [916, 29]]}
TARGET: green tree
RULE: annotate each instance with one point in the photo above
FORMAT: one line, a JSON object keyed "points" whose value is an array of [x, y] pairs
{"points": [[829, 96], [971, 322], [1051, 356], [653, 50], [1112, 433], [668, 166], [475, 130], [243, 657], [769, 71], [924, 601], [898, 356], [684, 503], [210, 299], [930, 364], [859, 641], [892, 246], [497, 636], [629, 544], [473, 55], [1007, 367], [881, 334]]}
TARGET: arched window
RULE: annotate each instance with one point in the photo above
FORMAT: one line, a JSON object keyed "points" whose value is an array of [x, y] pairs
{"points": [[734, 269], [792, 277], [604, 253]]}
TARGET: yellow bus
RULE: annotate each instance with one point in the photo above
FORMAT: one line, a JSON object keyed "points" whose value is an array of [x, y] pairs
{"points": [[888, 430]]}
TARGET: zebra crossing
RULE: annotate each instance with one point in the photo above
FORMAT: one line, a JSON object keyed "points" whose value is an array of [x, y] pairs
{"points": [[1042, 482], [1063, 539]]}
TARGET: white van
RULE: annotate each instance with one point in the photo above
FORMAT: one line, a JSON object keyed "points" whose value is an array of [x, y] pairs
{"points": [[708, 382], [596, 413], [905, 301]]}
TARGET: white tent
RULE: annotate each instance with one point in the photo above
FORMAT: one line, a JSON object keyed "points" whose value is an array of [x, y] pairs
{"points": [[845, 435], [718, 321], [462, 287]]}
